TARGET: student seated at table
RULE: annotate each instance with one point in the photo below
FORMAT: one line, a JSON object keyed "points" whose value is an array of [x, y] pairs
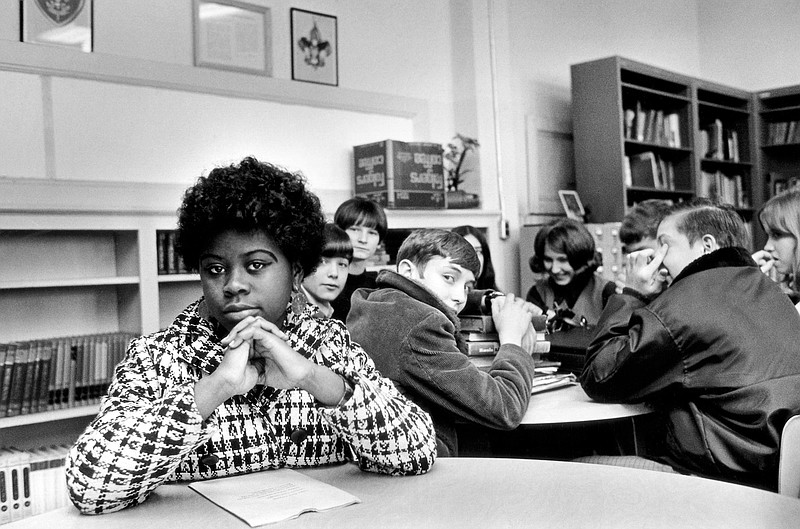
{"points": [[780, 218], [243, 380], [716, 352], [409, 325], [565, 252], [365, 223], [639, 227], [325, 283], [485, 278]]}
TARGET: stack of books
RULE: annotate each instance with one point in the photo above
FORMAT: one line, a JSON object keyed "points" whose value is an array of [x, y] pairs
{"points": [[546, 377], [482, 339], [31, 482]]}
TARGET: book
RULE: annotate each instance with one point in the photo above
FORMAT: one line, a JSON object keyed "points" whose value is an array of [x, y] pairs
{"points": [[482, 348], [549, 381], [480, 323], [6, 362], [272, 495], [473, 336], [640, 122], [19, 372], [628, 123], [31, 374], [644, 170]]}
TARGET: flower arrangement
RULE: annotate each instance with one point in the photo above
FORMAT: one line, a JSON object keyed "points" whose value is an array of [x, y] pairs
{"points": [[454, 156]]}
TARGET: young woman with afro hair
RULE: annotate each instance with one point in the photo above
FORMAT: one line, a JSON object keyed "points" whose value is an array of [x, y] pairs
{"points": [[244, 380]]}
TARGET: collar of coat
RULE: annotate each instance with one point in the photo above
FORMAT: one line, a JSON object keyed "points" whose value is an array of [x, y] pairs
{"points": [[724, 257], [389, 279]]}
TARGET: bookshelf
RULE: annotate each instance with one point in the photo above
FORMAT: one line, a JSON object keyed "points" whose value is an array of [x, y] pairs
{"points": [[778, 125], [724, 146], [642, 132], [82, 257], [624, 113]]}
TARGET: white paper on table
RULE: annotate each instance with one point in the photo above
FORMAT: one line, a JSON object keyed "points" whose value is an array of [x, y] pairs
{"points": [[272, 495]]}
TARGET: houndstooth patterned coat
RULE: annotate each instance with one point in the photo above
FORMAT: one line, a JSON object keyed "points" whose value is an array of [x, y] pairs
{"points": [[149, 431]]}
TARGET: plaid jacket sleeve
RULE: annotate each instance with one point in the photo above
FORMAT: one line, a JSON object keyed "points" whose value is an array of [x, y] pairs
{"points": [[144, 429], [386, 432]]}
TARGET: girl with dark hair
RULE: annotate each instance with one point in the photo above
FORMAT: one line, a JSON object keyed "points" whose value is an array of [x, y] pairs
{"points": [[324, 284], [474, 236], [565, 254], [245, 379], [365, 222]]}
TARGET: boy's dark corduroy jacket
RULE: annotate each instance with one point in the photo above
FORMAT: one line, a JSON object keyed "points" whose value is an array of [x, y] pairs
{"points": [[413, 338]]}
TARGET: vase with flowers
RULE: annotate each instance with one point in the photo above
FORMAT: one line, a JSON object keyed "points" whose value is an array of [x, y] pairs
{"points": [[455, 167]]}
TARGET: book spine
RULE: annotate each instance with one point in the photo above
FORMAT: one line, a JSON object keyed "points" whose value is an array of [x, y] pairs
{"points": [[31, 374], [18, 380], [482, 348]]}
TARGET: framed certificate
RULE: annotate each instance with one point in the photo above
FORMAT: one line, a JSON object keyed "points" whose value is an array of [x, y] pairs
{"points": [[63, 23], [231, 35]]}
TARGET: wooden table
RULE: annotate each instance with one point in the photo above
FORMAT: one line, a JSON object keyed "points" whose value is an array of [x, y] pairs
{"points": [[571, 404], [480, 493], [570, 407]]}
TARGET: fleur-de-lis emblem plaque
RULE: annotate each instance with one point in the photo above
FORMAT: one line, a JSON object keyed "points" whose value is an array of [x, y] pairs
{"points": [[60, 12]]}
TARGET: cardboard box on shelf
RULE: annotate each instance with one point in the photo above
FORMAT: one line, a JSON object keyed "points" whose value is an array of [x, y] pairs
{"points": [[400, 174]]}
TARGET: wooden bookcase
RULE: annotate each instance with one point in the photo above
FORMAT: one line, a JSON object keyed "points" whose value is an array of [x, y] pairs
{"points": [[779, 157], [603, 92], [716, 154], [81, 258]]}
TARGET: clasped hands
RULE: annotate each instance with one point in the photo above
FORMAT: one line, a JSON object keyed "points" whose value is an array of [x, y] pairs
{"points": [[257, 353], [512, 318]]}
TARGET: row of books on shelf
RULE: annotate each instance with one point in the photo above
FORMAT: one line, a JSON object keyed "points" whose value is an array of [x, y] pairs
{"points": [[652, 126], [32, 482], [782, 132], [51, 374], [725, 188], [648, 169], [169, 262], [718, 142]]}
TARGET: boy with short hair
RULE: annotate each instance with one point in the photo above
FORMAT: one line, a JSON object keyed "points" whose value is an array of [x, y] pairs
{"points": [[640, 225], [716, 352], [325, 283], [409, 326]]}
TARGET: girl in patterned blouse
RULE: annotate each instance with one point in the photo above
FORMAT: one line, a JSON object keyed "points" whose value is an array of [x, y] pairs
{"points": [[244, 379]]}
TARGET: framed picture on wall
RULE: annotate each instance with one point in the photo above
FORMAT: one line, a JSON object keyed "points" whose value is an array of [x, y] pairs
{"points": [[572, 204], [65, 23], [232, 35], [315, 47]]}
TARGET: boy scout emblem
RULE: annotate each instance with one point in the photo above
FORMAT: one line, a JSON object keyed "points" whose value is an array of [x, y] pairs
{"points": [[61, 12]]}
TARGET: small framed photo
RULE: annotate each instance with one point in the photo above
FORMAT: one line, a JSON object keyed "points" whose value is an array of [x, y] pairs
{"points": [[65, 23], [232, 35], [315, 47], [572, 204]]}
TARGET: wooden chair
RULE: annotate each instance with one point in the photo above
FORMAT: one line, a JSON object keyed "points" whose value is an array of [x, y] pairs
{"points": [[789, 466]]}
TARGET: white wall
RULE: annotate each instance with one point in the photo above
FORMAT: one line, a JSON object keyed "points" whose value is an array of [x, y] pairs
{"points": [[89, 130], [750, 44], [544, 37]]}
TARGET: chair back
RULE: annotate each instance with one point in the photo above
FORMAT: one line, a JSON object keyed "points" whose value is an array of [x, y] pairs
{"points": [[789, 466]]}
